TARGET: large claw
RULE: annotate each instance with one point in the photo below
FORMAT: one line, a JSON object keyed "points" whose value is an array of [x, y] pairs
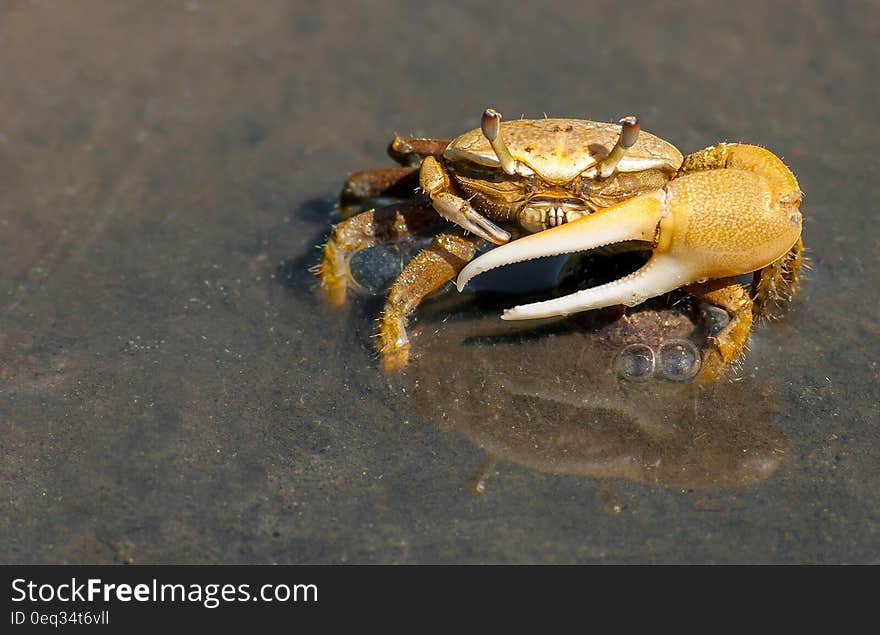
{"points": [[704, 225]]}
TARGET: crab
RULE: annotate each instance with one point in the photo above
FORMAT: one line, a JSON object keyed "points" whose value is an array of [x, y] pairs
{"points": [[547, 187]]}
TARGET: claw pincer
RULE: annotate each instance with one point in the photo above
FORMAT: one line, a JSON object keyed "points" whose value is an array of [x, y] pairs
{"points": [[702, 225]]}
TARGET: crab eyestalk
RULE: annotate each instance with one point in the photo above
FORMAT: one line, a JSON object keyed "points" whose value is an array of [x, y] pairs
{"points": [[629, 134], [491, 127]]}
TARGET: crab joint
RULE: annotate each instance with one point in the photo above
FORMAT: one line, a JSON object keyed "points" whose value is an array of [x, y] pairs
{"points": [[629, 134], [491, 126]]}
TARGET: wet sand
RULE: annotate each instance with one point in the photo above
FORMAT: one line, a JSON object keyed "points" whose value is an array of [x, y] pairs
{"points": [[171, 390]]}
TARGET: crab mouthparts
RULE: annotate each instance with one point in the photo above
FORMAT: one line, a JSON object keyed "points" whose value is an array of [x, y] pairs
{"points": [[542, 212], [622, 223]]}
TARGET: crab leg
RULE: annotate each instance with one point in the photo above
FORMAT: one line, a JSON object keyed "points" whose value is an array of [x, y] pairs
{"points": [[383, 226], [396, 182], [729, 341], [410, 151], [777, 283], [428, 271], [704, 225]]}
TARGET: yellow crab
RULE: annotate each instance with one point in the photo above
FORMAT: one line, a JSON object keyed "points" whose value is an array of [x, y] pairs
{"points": [[573, 186]]}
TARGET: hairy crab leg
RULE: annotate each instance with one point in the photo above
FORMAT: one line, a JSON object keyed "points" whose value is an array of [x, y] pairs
{"points": [[410, 151], [432, 267], [728, 342], [383, 226], [777, 283]]}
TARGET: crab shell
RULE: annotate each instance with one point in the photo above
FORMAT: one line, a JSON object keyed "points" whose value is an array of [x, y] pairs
{"points": [[558, 150]]}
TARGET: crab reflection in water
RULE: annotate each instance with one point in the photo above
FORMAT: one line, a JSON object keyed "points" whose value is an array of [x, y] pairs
{"points": [[562, 400]]}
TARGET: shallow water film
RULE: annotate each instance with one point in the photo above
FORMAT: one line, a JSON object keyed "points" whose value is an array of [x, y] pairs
{"points": [[173, 390]]}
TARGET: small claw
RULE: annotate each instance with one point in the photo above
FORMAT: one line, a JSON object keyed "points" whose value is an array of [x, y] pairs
{"points": [[457, 210]]}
